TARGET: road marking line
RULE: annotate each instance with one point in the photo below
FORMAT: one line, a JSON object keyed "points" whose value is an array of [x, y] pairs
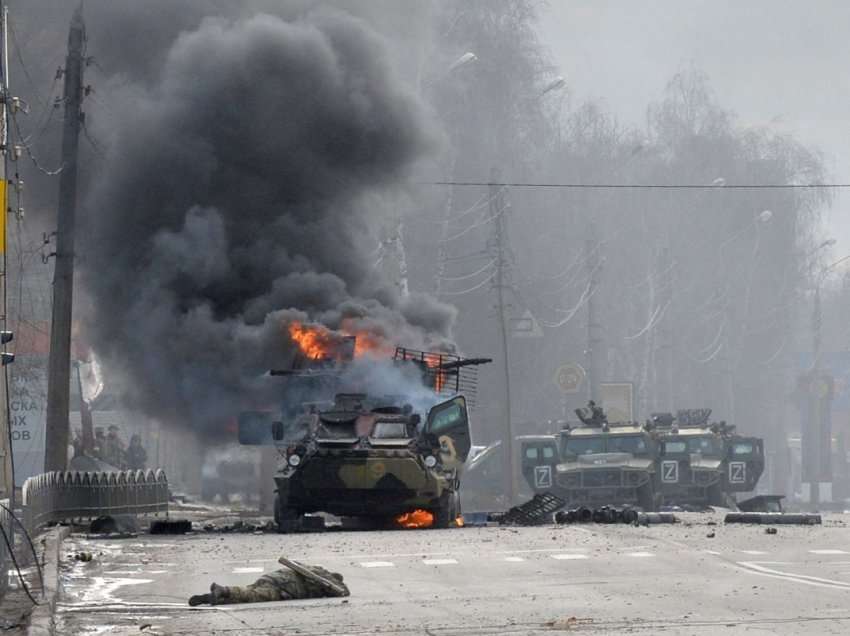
{"points": [[514, 559], [439, 561], [714, 552], [247, 570], [753, 552], [757, 567], [540, 550], [827, 551], [568, 557], [640, 555], [378, 564], [422, 554]]}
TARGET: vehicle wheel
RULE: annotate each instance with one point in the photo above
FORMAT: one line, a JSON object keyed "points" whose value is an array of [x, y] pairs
{"points": [[286, 519], [646, 498], [448, 510], [716, 496]]}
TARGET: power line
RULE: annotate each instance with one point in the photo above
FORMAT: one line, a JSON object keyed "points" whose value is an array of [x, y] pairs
{"points": [[49, 173], [641, 186]]}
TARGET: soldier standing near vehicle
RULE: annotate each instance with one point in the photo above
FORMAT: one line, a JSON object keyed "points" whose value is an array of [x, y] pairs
{"points": [[114, 452], [137, 457], [281, 585], [99, 449]]}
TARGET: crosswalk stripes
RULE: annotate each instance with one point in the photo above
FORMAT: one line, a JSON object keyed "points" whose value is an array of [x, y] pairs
{"points": [[565, 556], [828, 552]]}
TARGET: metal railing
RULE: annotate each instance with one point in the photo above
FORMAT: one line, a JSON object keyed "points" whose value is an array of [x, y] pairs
{"points": [[62, 496]]}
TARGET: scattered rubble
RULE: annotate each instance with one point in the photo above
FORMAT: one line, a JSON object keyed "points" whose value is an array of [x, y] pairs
{"points": [[605, 514], [124, 525], [779, 518], [609, 515], [171, 526], [242, 527]]}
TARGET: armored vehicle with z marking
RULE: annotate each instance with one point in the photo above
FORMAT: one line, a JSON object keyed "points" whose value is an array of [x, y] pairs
{"points": [[595, 463], [702, 463], [371, 455]]}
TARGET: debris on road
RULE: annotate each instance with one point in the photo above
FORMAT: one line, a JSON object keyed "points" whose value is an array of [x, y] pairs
{"points": [[770, 531], [171, 526], [651, 518], [242, 527], [125, 525], [293, 581], [605, 514], [536, 511], [83, 557], [762, 503], [779, 518]]}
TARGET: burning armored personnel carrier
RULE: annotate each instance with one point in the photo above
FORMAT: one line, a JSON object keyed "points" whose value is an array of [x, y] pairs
{"points": [[595, 463], [389, 457], [702, 463]]}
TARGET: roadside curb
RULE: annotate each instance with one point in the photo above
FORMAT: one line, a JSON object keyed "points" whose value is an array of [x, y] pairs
{"points": [[41, 619]]}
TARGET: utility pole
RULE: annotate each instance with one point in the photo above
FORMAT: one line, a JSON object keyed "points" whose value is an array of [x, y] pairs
{"points": [[7, 476], [594, 327], [667, 345], [816, 403], [59, 366], [498, 246]]}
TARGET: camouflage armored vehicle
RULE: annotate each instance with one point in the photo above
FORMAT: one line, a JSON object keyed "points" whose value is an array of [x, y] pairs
{"points": [[373, 456], [703, 463], [595, 463]]}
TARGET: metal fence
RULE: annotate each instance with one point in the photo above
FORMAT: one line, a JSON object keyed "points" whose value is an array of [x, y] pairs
{"points": [[61, 496]]}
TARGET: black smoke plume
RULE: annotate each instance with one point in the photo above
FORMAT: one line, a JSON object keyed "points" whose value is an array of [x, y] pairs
{"points": [[236, 196]]}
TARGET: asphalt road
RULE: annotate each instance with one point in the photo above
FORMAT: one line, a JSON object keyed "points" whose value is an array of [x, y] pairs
{"points": [[596, 579]]}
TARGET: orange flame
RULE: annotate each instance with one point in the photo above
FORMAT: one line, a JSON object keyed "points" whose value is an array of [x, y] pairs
{"points": [[415, 519], [439, 375], [317, 342], [459, 522]]}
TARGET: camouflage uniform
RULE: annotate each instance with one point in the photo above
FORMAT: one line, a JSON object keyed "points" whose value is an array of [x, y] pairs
{"points": [[280, 585]]}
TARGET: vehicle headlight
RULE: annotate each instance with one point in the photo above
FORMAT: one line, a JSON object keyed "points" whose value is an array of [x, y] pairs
{"points": [[294, 460], [430, 461]]}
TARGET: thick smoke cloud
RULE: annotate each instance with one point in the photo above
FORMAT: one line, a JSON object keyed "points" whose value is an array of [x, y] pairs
{"points": [[236, 196]]}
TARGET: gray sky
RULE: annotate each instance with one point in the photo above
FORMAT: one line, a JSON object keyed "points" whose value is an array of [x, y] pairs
{"points": [[782, 63]]}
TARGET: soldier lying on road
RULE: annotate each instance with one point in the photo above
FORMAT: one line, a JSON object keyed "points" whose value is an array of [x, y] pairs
{"points": [[280, 585]]}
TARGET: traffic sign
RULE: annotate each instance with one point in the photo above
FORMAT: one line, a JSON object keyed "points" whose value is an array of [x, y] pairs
{"points": [[569, 378]]}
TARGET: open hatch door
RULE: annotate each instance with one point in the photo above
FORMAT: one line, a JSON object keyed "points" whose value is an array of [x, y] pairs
{"points": [[255, 428], [448, 426]]}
